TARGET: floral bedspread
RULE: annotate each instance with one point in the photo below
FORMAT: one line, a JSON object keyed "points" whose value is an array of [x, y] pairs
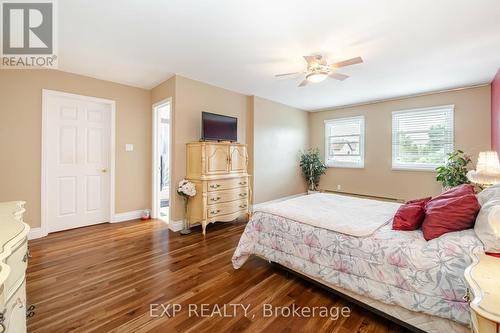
{"points": [[395, 267]]}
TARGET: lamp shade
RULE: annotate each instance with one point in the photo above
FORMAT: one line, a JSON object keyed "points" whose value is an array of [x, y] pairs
{"points": [[488, 169], [488, 162]]}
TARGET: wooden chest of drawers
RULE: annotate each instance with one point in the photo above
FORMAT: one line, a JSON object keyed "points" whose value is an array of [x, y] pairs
{"points": [[219, 171]]}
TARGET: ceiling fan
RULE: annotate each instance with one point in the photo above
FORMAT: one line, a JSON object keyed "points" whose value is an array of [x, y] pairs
{"points": [[318, 69]]}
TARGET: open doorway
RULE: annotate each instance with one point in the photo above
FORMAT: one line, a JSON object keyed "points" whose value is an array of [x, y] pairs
{"points": [[161, 160]]}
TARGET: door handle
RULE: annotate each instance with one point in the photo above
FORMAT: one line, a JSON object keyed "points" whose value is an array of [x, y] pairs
{"points": [[104, 170]]}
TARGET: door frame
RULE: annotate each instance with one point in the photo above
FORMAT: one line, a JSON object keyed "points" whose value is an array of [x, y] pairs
{"points": [[44, 223], [155, 160]]}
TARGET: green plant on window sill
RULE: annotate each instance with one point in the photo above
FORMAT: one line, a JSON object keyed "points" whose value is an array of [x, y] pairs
{"points": [[454, 171], [312, 167]]}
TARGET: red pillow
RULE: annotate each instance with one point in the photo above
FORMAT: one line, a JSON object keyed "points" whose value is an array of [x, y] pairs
{"points": [[410, 215], [457, 191], [450, 211]]}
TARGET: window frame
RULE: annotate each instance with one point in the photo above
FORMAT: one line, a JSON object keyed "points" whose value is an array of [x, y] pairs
{"points": [[420, 166], [340, 164]]}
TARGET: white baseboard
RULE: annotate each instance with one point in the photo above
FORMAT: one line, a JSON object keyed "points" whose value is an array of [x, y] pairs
{"points": [[256, 206], [127, 216], [36, 233], [175, 225], [121, 217]]}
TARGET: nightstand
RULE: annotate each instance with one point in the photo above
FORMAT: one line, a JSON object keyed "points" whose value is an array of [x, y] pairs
{"points": [[483, 279]]}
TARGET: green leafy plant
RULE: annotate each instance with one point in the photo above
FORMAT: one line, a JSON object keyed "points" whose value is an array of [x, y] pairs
{"points": [[454, 171], [312, 167]]}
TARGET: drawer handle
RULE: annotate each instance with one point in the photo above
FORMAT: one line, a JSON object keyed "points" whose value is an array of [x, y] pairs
{"points": [[30, 311], [467, 295], [27, 255], [243, 206], [2, 319], [243, 194], [215, 211], [243, 183], [215, 186], [215, 199]]}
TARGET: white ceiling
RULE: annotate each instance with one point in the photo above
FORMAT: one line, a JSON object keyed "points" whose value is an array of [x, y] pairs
{"points": [[409, 46]]}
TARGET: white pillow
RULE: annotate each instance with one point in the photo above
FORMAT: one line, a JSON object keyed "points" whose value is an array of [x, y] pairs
{"points": [[487, 225], [489, 193]]}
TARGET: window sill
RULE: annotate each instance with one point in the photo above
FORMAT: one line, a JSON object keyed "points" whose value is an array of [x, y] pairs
{"points": [[345, 166], [410, 168]]}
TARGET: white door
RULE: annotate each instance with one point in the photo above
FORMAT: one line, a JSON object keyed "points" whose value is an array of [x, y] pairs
{"points": [[161, 160], [78, 142]]}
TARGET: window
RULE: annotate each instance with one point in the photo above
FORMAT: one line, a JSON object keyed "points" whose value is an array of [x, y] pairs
{"points": [[345, 142], [421, 138]]}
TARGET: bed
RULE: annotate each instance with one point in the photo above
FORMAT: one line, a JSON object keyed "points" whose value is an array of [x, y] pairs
{"points": [[395, 272]]}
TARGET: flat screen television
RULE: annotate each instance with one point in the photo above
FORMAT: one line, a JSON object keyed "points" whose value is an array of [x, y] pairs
{"points": [[218, 127]]}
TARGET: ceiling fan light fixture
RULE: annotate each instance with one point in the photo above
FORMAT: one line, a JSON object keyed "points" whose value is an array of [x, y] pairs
{"points": [[316, 77]]}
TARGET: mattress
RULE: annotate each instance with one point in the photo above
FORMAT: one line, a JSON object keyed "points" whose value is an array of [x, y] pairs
{"points": [[335, 212], [394, 267]]}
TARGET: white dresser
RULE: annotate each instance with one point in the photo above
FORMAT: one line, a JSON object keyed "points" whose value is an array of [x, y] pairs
{"points": [[13, 263], [483, 279]]}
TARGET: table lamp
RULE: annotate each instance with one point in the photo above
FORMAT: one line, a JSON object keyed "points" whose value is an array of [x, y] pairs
{"points": [[487, 171]]}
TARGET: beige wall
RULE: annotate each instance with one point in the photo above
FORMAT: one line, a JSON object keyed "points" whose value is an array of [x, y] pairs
{"points": [[275, 134], [472, 134], [250, 143], [164, 90], [279, 134], [191, 98], [20, 136]]}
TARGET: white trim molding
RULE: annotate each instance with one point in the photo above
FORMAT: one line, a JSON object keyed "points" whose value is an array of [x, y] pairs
{"points": [[414, 120], [35, 233], [43, 195], [127, 216], [155, 160], [176, 226], [332, 163]]}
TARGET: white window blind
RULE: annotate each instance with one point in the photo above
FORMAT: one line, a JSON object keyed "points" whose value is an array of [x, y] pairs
{"points": [[422, 138], [344, 142]]}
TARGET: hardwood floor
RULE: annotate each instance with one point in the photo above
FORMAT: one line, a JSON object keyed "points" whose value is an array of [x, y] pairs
{"points": [[103, 279]]}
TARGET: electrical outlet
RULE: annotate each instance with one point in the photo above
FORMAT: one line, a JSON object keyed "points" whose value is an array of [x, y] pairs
{"points": [[339, 187], [129, 147]]}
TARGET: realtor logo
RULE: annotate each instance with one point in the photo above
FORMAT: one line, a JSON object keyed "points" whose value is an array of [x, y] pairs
{"points": [[28, 31]]}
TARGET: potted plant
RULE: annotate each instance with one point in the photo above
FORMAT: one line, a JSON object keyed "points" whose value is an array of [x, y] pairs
{"points": [[312, 169], [454, 171], [186, 189]]}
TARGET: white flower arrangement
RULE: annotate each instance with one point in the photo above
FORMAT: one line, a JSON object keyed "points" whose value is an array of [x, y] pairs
{"points": [[186, 188]]}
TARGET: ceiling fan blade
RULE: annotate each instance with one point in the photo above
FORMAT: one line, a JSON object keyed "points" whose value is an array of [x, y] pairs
{"points": [[303, 83], [315, 59], [347, 62], [286, 74], [311, 58], [338, 76]]}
